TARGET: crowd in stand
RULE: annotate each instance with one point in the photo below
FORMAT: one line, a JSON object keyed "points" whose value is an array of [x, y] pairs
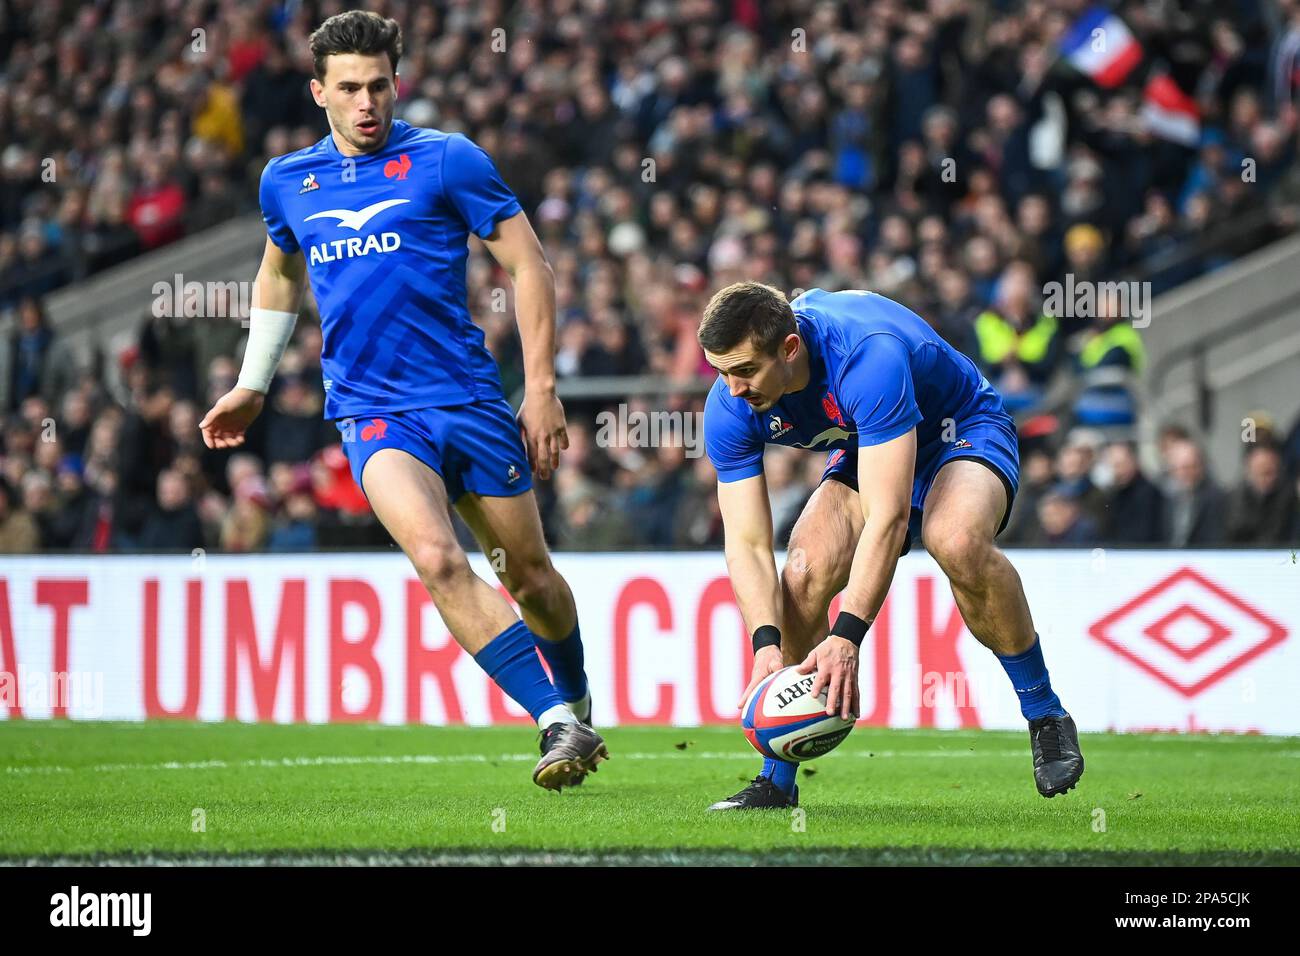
{"points": [[941, 153]]}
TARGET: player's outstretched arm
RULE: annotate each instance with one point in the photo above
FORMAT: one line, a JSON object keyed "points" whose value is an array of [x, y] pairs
{"points": [[885, 491], [541, 417], [747, 529], [277, 293]]}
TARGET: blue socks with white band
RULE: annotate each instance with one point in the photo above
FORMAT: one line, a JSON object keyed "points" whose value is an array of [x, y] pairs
{"points": [[510, 659], [565, 659]]}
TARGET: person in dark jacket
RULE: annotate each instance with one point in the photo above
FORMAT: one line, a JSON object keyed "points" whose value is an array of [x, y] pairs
{"points": [[1062, 520], [1134, 506], [30, 344], [294, 428], [1263, 507], [1194, 505], [174, 525]]}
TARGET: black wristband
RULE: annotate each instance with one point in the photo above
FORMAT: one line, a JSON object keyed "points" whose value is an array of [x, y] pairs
{"points": [[769, 635], [850, 627]]}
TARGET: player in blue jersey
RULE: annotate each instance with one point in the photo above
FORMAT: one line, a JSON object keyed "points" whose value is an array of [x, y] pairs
{"points": [[919, 443], [378, 215]]}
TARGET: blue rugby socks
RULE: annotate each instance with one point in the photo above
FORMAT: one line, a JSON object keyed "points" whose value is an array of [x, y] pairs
{"points": [[565, 660], [781, 773], [1028, 675], [511, 661]]}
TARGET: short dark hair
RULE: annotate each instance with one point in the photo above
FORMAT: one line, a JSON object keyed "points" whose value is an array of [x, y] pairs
{"points": [[1256, 447], [746, 311], [357, 31]]}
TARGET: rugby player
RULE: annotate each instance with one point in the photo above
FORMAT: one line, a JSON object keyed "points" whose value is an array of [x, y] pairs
{"points": [[378, 215], [919, 442]]}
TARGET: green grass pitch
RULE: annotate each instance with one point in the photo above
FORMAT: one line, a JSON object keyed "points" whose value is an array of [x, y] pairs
{"points": [[73, 792]]}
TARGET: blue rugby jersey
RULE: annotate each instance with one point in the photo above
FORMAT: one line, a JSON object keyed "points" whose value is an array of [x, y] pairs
{"points": [[876, 370], [385, 239]]}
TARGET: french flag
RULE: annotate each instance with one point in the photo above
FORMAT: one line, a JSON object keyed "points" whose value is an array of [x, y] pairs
{"points": [[1170, 113], [1100, 45]]}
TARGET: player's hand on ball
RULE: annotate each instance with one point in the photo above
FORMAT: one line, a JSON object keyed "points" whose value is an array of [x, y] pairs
{"points": [[541, 422], [836, 662], [224, 425], [766, 661]]}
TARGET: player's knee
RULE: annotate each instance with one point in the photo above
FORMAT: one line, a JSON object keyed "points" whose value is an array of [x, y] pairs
{"points": [[808, 581], [530, 585], [441, 565], [960, 552]]}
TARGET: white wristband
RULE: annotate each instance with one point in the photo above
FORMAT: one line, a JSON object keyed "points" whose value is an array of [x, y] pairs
{"points": [[268, 335]]}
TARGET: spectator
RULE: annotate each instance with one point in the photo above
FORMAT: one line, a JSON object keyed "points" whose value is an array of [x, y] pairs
{"points": [[1109, 362], [588, 521], [915, 86], [956, 313], [1134, 508], [39, 268], [295, 527], [1038, 242], [1019, 343], [1036, 478], [276, 94], [143, 451], [39, 502], [699, 518], [29, 347], [174, 524], [1194, 505], [1084, 248], [295, 429], [247, 525], [785, 492], [167, 348], [1074, 464], [656, 494], [1262, 509], [217, 196], [1169, 437], [1062, 521], [74, 423], [19, 533], [1155, 238], [157, 207]]}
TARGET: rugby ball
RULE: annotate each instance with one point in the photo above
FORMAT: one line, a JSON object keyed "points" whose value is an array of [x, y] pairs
{"points": [[783, 720]]}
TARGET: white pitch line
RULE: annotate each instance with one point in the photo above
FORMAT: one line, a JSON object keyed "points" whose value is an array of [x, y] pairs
{"points": [[435, 759], [959, 735], [290, 762]]}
